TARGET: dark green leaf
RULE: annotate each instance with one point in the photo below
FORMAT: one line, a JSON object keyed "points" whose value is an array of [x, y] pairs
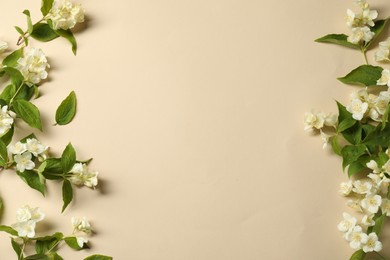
{"points": [[98, 257], [345, 119], [68, 158], [364, 75], [358, 255], [351, 153], [53, 169], [28, 112], [47, 243], [43, 32], [379, 224], [339, 39], [17, 248], [379, 137], [385, 117], [67, 110], [26, 92], [8, 93], [67, 34], [37, 257], [29, 22], [8, 230], [46, 6], [33, 180], [12, 59], [354, 134], [67, 194], [355, 167], [377, 29]]}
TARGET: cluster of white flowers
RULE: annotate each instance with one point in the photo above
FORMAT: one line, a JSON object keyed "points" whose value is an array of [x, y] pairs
{"points": [[82, 175], [81, 229], [65, 15], [6, 120], [384, 51], [33, 66], [360, 23], [24, 152], [364, 104], [26, 219], [369, 197], [317, 121]]}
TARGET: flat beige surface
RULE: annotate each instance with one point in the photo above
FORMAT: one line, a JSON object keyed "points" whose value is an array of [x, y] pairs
{"points": [[193, 113]]}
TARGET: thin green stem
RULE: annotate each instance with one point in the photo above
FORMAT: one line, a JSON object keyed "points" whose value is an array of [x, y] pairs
{"points": [[16, 93], [54, 246], [365, 56]]}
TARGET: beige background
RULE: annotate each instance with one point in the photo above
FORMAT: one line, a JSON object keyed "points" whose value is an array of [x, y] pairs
{"points": [[193, 113]]}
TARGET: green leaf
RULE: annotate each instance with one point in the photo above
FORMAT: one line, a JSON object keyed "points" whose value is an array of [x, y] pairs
{"points": [[382, 159], [364, 75], [37, 257], [46, 6], [30, 136], [8, 93], [351, 153], [28, 112], [377, 29], [26, 92], [335, 145], [53, 169], [12, 59], [43, 32], [8, 230], [345, 119], [379, 224], [14, 74], [67, 34], [33, 180], [17, 248], [354, 134], [47, 243], [358, 255], [19, 30], [379, 137], [54, 256], [98, 257], [3, 154], [67, 194], [29, 22], [72, 243], [385, 117], [68, 158], [355, 167], [67, 109], [339, 39]]}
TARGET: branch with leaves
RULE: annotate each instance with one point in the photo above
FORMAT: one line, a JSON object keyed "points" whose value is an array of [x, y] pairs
{"points": [[24, 71]]}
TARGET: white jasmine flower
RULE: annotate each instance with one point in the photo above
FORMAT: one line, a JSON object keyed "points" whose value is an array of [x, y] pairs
{"points": [[33, 66], [26, 213], [351, 21], [356, 237], [362, 94], [3, 46], [362, 187], [374, 115], [368, 220], [355, 204], [372, 244], [347, 224], [312, 121], [371, 203], [382, 102], [386, 167], [25, 229], [384, 50], [35, 147], [385, 78], [385, 207], [18, 148], [331, 120], [357, 108], [65, 15], [23, 162], [345, 188], [6, 120], [81, 241], [81, 225], [360, 34], [83, 176], [325, 139], [368, 16]]}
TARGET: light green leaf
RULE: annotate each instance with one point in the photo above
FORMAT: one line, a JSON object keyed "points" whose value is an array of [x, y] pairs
{"points": [[385, 117], [67, 194], [358, 255], [33, 180], [43, 32], [37, 257], [47, 243], [19, 30], [46, 6], [8, 93], [355, 167], [54, 256], [28, 112], [68, 158], [335, 145], [3, 154], [12, 59], [379, 224], [29, 22], [364, 75], [98, 257], [67, 34], [67, 109], [339, 39], [8, 230], [14, 74], [17, 248], [72, 243]]}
